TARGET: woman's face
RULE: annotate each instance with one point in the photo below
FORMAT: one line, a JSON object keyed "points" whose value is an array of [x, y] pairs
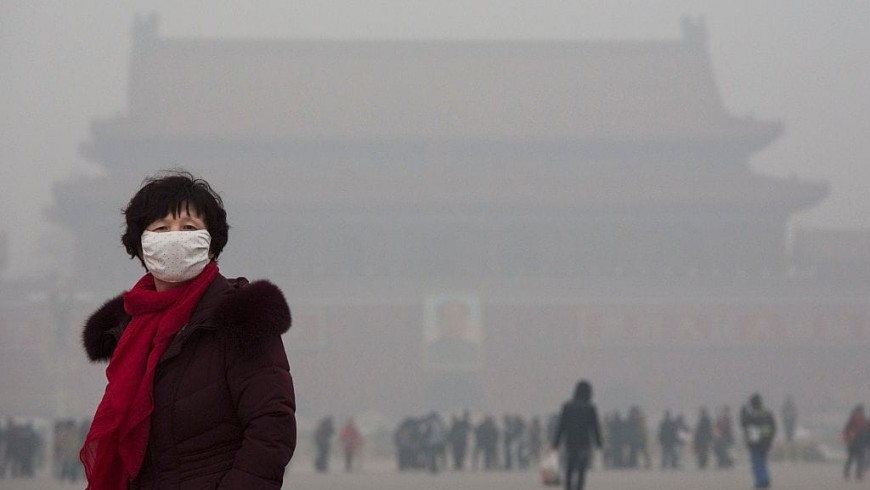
{"points": [[188, 219]]}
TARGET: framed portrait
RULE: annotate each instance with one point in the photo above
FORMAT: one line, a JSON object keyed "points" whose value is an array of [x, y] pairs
{"points": [[453, 333]]}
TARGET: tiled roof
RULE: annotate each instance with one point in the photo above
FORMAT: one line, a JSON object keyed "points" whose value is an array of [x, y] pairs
{"points": [[432, 90]]}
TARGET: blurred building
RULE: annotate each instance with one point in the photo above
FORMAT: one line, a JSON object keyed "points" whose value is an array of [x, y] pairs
{"points": [[590, 203]]}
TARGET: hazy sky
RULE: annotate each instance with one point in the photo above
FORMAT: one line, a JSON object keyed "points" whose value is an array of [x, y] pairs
{"points": [[804, 62]]}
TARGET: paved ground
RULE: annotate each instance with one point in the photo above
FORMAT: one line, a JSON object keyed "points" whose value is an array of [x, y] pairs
{"points": [[788, 476]]}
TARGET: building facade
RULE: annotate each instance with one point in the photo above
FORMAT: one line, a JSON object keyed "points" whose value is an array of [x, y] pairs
{"points": [[478, 224]]}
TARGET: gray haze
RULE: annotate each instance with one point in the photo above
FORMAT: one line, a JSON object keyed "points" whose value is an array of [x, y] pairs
{"points": [[802, 62], [799, 62]]}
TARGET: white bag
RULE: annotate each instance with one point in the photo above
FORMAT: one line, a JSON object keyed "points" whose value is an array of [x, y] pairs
{"points": [[550, 473]]}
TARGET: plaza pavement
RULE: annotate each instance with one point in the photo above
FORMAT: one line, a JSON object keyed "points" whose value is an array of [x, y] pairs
{"points": [[788, 476]]}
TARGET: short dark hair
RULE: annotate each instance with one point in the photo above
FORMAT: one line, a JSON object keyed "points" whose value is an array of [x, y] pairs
{"points": [[169, 192]]}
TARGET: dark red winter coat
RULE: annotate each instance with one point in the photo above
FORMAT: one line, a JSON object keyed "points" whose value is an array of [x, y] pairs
{"points": [[224, 406]]}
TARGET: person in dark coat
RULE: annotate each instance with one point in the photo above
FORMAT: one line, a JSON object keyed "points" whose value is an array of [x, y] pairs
{"points": [[322, 441], [789, 418], [616, 439], [408, 441], [460, 427], [637, 438], [199, 389], [703, 438], [3, 450], [535, 440], [789, 415], [723, 439], [668, 439], [485, 443], [863, 442], [759, 429], [579, 426]]}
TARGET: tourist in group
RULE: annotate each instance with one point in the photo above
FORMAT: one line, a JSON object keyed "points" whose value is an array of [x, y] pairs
{"points": [[854, 436], [351, 442], [322, 441], [668, 440], [703, 438], [789, 415], [637, 439], [723, 439], [460, 428]]}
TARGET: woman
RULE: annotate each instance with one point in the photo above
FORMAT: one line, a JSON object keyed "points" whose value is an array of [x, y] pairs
{"points": [[351, 441], [199, 390], [579, 426]]}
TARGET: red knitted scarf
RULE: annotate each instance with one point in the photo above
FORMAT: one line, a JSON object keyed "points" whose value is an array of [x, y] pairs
{"points": [[115, 446]]}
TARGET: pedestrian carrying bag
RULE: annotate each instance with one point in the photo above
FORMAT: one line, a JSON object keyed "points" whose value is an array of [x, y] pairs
{"points": [[550, 474]]}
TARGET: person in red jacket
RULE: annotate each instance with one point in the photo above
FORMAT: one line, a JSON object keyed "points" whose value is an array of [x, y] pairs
{"points": [[199, 389], [351, 442]]}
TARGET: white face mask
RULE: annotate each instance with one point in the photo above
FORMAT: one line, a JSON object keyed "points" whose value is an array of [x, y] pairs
{"points": [[175, 256]]}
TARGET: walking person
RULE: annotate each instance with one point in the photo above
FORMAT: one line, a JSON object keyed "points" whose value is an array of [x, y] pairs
{"points": [[489, 442], [434, 442], [535, 440], [351, 442], [458, 437], [703, 438], [636, 438], [667, 436], [789, 415], [759, 429], [322, 440], [723, 439], [683, 437], [579, 426], [511, 435], [4, 439], [853, 435], [199, 389], [616, 439]]}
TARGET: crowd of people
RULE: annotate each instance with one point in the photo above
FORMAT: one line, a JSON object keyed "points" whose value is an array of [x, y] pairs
{"points": [[708, 436], [430, 443], [20, 445], [26, 447], [350, 439], [434, 442]]}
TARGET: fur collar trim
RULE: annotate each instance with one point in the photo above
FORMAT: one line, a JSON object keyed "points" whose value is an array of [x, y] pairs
{"points": [[248, 314]]}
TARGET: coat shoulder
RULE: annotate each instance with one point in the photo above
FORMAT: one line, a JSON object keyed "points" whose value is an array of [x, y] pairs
{"points": [[103, 329], [249, 314]]}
